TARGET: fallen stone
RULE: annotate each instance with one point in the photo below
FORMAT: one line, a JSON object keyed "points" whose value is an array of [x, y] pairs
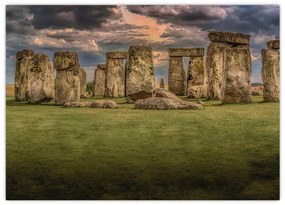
{"points": [[104, 104], [229, 37], [159, 92], [96, 104], [271, 74], [274, 44], [77, 104], [159, 103], [236, 86], [140, 73], [41, 79]]}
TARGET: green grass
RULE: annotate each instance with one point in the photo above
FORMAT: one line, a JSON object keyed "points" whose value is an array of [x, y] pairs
{"points": [[220, 152]]}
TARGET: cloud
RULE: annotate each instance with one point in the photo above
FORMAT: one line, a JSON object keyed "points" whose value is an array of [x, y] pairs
{"points": [[182, 14], [81, 43], [78, 17]]}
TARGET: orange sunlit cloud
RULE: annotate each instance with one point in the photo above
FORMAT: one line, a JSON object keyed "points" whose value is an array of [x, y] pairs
{"points": [[151, 27]]}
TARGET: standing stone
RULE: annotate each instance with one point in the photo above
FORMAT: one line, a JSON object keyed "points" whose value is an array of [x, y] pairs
{"points": [[271, 71], [236, 77], [24, 62], [196, 78], [215, 60], [140, 73], [67, 84], [215, 67], [176, 76], [115, 74], [161, 83], [82, 77], [99, 80], [41, 79]]}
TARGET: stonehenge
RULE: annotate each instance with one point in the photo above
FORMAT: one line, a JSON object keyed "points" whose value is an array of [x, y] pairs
{"points": [[24, 63], [41, 79], [221, 45], [140, 73], [115, 74], [177, 77], [67, 84], [224, 75], [271, 71], [99, 80]]}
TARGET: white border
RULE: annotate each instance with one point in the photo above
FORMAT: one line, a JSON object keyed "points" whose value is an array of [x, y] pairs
{"points": [[3, 4]]}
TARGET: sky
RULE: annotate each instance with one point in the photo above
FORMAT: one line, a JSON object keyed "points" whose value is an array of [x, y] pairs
{"points": [[92, 31]]}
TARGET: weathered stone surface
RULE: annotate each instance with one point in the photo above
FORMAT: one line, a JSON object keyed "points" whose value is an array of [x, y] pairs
{"points": [[140, 73], [104, 104], [115, 78], [228, 37], [236, 86], [67, 87], [117, 55], [81, 74], [95, 104], [186, 52], [176, 76], [41, 79], [271, 74], [274, 44], [160, 103], [159, 92], [66, 60], [215, 66], [24, 63], [196, 78], [67, 84], [99, 80], [197, 91], [196, 71], [161, 85], [77, 104], [24, 53]]}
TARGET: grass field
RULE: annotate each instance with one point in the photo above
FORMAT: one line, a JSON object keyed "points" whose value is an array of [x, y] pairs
{"points": [[220, 152]]}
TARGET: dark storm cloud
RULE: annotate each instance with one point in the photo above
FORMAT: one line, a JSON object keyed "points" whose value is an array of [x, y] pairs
{"points": [[250, 19], [246, 18], [78, 17], [181, 14], [18, 20]]}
